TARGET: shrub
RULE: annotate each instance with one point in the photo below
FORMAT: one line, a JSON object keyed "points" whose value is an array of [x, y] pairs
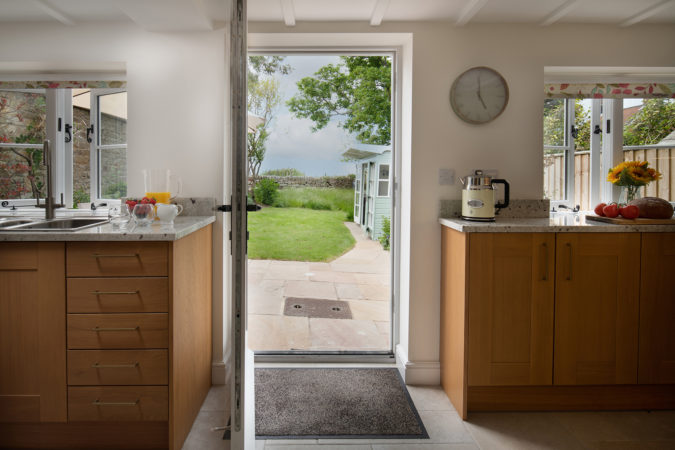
{"points": [[386, 233], [80, 196], [290, 172], [266, 191]]}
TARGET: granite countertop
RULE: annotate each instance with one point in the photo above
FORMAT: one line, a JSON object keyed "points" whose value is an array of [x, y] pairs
{"points": [[556, 223], [182, 227]]}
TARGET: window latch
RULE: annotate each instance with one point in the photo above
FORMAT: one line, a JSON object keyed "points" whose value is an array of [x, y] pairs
{"points": [[597, 130], [574, 131], [69, 134], [90, 130]]}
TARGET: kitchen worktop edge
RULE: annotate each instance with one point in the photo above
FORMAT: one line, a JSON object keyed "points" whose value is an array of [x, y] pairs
{"points": [[564, 223], [183, 226]]}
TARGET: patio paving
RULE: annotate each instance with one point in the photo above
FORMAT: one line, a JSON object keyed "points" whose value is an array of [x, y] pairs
{"points": [[360, 277]]}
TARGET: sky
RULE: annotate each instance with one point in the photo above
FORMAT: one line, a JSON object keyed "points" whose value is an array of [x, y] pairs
{"points": [[291, 143]]}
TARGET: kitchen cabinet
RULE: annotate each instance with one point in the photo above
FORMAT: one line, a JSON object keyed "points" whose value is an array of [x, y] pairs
{"points": [[596, 308], [32, 332], [553, 321], [511, 285], [112, 340], [657, 309]]}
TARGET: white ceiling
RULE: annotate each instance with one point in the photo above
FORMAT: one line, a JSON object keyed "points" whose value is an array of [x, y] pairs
{"points": [[209, 14]]}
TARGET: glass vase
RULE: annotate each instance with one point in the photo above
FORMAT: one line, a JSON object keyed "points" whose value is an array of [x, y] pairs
{"points": [[628, 194]]}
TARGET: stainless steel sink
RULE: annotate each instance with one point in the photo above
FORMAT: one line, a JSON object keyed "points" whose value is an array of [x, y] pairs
{"points": [[6, 223], [70, 224]]}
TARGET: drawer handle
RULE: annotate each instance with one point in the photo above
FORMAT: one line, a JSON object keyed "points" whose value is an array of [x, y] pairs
{"points": [[114, 292], [545, 276], [569, 249], [97, 255], [100, 403], [97, 329], [97, 365]]}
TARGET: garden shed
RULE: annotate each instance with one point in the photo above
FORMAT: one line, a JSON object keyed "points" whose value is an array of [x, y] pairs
{"points": [[372, 186]]}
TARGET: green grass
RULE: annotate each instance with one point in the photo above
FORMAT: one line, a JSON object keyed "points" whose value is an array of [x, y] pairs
{"points": [[298, 234], [328, 199]]}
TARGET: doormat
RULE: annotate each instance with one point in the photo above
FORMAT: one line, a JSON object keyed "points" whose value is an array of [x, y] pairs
{"points": [[317, 308], [334, 403]]}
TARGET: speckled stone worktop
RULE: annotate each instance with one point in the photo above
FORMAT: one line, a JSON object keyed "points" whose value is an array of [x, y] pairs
{"points": [[182, 227], [556, 223]]}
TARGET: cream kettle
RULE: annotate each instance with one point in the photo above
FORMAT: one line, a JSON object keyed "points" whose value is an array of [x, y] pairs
{"points": [[478, 197]]}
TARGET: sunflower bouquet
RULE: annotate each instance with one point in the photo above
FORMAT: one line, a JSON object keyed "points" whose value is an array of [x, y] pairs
{"points": [[632, 175]]}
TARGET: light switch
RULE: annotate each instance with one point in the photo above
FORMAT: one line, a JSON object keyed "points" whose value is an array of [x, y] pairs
{"points": [[446, 177]]}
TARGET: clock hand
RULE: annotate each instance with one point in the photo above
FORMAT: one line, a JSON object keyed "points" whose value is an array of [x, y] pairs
{"points": [[479, 96]]}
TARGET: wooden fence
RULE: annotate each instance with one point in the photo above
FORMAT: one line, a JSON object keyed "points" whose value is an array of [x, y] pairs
{"points": [[661, 159]]}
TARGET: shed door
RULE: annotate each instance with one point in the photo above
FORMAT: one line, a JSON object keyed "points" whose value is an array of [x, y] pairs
{"points": [[357, 198], [372, 192], [364, 193]]}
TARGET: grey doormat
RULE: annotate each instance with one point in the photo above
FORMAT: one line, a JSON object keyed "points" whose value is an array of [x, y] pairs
{"points": [[334, 403], [316, 307]]}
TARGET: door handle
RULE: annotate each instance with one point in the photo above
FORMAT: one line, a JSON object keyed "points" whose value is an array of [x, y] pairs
{"points": [[249, 208], [569, 256], [545, 276]]}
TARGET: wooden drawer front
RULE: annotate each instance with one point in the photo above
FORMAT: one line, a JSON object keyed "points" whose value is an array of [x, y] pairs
{"points": [[114, 259], [118, 403], [118, 367], [117, 295], [120, 331]]}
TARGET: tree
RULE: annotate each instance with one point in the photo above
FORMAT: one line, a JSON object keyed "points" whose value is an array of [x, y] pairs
{"points": [[358, 90], [653, 122], [263, 100]]}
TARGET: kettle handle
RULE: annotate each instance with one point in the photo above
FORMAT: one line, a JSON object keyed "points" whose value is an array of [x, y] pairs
{"points": [[506, 192]]}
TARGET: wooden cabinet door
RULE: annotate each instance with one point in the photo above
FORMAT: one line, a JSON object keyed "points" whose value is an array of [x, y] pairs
{"points": [[511, 285], [32, 332], [657, 309], [596, 308]]}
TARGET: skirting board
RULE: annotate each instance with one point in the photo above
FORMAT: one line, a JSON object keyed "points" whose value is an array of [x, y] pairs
{"points": [[218, 372], [425, 373]]}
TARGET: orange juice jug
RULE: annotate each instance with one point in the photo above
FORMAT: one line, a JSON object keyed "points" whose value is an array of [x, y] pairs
{"points": [[158, 184]]}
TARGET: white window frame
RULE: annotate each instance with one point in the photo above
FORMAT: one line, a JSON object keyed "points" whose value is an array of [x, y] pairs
{"points": [[60, 106], [95, 146], [388, 179], [358, 184], [605, 151]]}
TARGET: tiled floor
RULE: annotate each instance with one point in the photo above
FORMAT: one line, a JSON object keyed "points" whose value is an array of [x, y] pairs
{"points": [[360, 277], [634, 430]]}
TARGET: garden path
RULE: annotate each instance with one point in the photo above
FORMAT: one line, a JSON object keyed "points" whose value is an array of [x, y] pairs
{"points": [[360, 277]]}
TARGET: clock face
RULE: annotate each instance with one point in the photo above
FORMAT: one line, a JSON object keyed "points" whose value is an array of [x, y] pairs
{"points": [[479, 95]]}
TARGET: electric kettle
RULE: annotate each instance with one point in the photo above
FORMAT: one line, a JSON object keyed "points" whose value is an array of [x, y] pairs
{"points": [[478, 197]]}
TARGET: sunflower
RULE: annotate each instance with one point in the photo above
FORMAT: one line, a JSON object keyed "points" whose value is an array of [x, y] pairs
{"points": [[632, 173]]}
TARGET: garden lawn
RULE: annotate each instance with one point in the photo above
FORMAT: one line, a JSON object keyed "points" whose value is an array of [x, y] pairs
{"points": [[298, 234], [334, 199]]}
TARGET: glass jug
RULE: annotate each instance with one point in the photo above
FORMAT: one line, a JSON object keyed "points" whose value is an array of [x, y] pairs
{"points": [[158, 184]]}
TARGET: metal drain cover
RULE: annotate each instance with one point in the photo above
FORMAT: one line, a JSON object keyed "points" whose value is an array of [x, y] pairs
{"points": [[317, 308]]}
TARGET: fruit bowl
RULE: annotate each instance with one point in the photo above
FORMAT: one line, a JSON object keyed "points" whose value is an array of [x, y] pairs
{"points": [[144, 214]]}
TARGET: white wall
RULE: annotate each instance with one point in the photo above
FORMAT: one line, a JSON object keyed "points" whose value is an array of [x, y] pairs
{"points": [[512, 144], [176, 108]]}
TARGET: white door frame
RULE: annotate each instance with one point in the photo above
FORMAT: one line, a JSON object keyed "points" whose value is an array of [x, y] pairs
{"points": [[275, 46]]}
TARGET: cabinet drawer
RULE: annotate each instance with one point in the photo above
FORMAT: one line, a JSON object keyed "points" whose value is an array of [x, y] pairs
{"points": [[118, 331], [117, 367], [117, 295], [114, 259], [118, 403]]}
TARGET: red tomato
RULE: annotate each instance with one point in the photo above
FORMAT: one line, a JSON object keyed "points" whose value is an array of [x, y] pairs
{"points": [[598, 209], [611, 210], [630, 212]]}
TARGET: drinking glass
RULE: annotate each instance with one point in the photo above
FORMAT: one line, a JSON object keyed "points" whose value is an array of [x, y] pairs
{"points": [[119, 216]]}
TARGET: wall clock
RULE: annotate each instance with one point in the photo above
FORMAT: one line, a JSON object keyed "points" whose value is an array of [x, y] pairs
{"points": [[479, 95]]}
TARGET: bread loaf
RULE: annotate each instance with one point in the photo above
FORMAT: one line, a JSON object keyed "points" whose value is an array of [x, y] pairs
{"points": [[653, 207]]}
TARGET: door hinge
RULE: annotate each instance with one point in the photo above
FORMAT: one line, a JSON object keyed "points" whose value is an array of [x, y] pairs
{"points": [[224, 208]]}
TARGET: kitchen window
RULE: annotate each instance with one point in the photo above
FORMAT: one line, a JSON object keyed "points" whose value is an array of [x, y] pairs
{"points": [[87, 128]]}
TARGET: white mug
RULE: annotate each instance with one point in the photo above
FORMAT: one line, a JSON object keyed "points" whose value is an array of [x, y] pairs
{"points": [[167, 213]]}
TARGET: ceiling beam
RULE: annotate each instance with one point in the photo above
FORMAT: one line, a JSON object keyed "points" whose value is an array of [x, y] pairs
{"points": [[470, 9], [647, 13], [560, 12], [288, 11], [378, 12], [53, 12]]}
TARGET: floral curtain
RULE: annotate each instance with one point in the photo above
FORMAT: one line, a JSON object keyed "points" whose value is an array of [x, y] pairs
{"points": [[610, 90], [62, 84]]}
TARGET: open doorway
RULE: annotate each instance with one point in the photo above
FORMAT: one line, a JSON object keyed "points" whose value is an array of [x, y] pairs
{"points": [[320, 165]]}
